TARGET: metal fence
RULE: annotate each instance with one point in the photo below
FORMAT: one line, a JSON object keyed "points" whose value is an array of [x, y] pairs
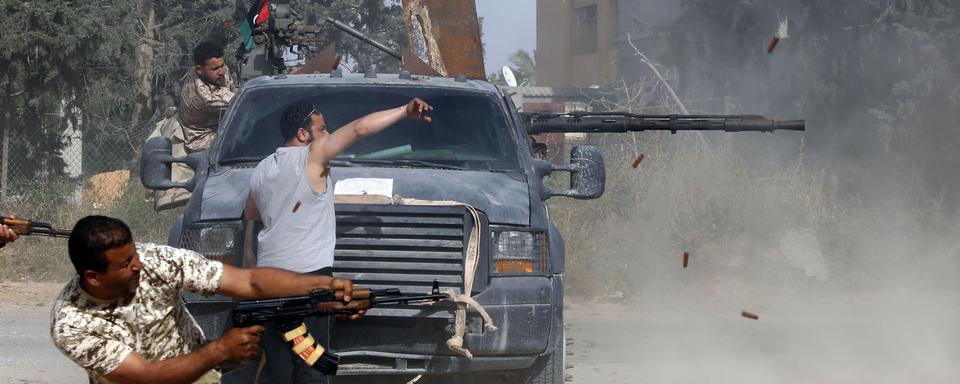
{"points": [[98, 169], [59, 178]]}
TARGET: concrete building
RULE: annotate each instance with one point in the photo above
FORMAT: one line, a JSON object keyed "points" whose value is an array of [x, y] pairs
{"points": [[584, 42], [587, 43]]}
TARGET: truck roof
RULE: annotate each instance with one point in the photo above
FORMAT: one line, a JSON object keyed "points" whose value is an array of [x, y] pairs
{"points": [[383, 79]]}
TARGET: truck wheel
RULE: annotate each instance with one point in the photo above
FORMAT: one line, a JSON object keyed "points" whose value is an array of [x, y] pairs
{"points": [[549, 369]]}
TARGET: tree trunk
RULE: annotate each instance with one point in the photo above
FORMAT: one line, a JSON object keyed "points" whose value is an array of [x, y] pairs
{"points": [[143, 70]]}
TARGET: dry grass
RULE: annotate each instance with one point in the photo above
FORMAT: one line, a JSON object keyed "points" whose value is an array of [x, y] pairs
{"points": [[59, 203]]}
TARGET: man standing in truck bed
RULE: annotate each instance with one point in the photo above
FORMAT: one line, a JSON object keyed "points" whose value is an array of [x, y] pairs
{"points": [[207, 90], [290, 191]]}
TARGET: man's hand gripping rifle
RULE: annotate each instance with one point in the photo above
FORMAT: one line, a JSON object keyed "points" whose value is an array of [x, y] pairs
{"points": [[287, 313]]}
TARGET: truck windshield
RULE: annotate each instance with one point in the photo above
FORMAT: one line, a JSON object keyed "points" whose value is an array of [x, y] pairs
{"points": [[469, 129]]}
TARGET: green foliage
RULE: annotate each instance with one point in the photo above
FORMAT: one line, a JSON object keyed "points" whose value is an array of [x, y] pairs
{"points": [[45, 63], [74, 64]]}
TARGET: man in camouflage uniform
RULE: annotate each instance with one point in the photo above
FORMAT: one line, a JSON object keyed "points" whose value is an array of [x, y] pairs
{"points": [[206, 92], [121, 318]]}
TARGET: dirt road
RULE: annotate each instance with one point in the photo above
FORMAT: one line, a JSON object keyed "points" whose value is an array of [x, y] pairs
{"points": [[885, 336]]}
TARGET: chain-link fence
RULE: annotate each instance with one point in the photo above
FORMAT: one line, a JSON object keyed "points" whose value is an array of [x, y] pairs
{"points": [[59, 178]]}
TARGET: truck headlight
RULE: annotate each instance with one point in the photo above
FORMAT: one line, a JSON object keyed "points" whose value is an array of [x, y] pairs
{"points": [[520, 252], [219, 240]]}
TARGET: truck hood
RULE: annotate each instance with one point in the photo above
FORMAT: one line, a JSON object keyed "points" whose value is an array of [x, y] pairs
{"points": [[503, 199]]}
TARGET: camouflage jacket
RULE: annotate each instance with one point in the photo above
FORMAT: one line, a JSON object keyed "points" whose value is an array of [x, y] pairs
{"points": [[98, 334], [201, 106]]}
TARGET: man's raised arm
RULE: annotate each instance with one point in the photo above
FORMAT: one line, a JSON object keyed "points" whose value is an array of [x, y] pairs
{"points": [[365, 126]]}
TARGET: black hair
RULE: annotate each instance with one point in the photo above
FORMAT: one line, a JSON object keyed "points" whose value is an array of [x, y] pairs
{"points": [[296, 116], [92, 237], [206, 51]]}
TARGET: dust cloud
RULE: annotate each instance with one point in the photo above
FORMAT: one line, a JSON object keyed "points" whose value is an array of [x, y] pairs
{"points": [[842, 239]]}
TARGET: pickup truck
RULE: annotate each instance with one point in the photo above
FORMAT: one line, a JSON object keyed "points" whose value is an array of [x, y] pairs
{"points": [[476, 152]]}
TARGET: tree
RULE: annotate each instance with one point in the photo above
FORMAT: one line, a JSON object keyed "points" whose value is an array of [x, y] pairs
{"points": [[51, 55], [523, 67], [109, 67]]}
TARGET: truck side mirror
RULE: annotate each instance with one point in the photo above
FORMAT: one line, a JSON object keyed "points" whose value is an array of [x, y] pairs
{"points": [[155, 160], [587, 174]]}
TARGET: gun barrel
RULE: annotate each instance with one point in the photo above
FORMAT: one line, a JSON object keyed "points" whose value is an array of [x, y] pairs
{"points": [[617, 122], [364, 38]]}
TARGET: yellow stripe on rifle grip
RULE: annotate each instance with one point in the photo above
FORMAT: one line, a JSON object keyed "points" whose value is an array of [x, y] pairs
{"points": [[303, 344], [315, 355], [298, 331]]}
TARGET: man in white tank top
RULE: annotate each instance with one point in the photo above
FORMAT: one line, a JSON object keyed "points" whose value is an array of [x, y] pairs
{"points": [[293, 197]]}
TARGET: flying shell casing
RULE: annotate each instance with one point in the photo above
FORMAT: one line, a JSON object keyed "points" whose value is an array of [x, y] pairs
{"points": [[773, 44]]}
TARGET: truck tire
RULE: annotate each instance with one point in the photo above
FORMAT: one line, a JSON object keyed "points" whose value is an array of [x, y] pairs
{"points": [[549, 369]]}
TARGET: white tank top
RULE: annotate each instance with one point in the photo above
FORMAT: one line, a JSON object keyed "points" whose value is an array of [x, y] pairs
{"points": [[299, 231]]}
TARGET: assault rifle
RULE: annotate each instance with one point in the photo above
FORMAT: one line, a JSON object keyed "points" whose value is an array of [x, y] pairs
{"points": [[287, 314], [26, 227]]}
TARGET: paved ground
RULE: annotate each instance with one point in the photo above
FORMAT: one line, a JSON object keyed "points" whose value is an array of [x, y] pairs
{"points": [[26, 353], [884, 336]]}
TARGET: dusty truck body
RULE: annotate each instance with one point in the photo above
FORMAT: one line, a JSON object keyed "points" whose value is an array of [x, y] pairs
{"points": [[476, 152]]}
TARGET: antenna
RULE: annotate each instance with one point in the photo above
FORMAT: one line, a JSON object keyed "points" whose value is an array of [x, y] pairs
{"points": [[508, 76]]}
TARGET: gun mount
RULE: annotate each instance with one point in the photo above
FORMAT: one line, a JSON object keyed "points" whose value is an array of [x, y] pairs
{"points": [[285, 35], [283, 30]]}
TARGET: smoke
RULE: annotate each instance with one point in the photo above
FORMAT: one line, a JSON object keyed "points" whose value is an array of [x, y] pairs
{"points": [[842, 238]]}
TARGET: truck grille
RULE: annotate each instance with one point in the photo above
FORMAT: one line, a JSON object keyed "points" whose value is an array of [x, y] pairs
{"points": [[406, 247]]}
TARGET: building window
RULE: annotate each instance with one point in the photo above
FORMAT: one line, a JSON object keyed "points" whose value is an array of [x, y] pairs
{"points": [[584, 30]]}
